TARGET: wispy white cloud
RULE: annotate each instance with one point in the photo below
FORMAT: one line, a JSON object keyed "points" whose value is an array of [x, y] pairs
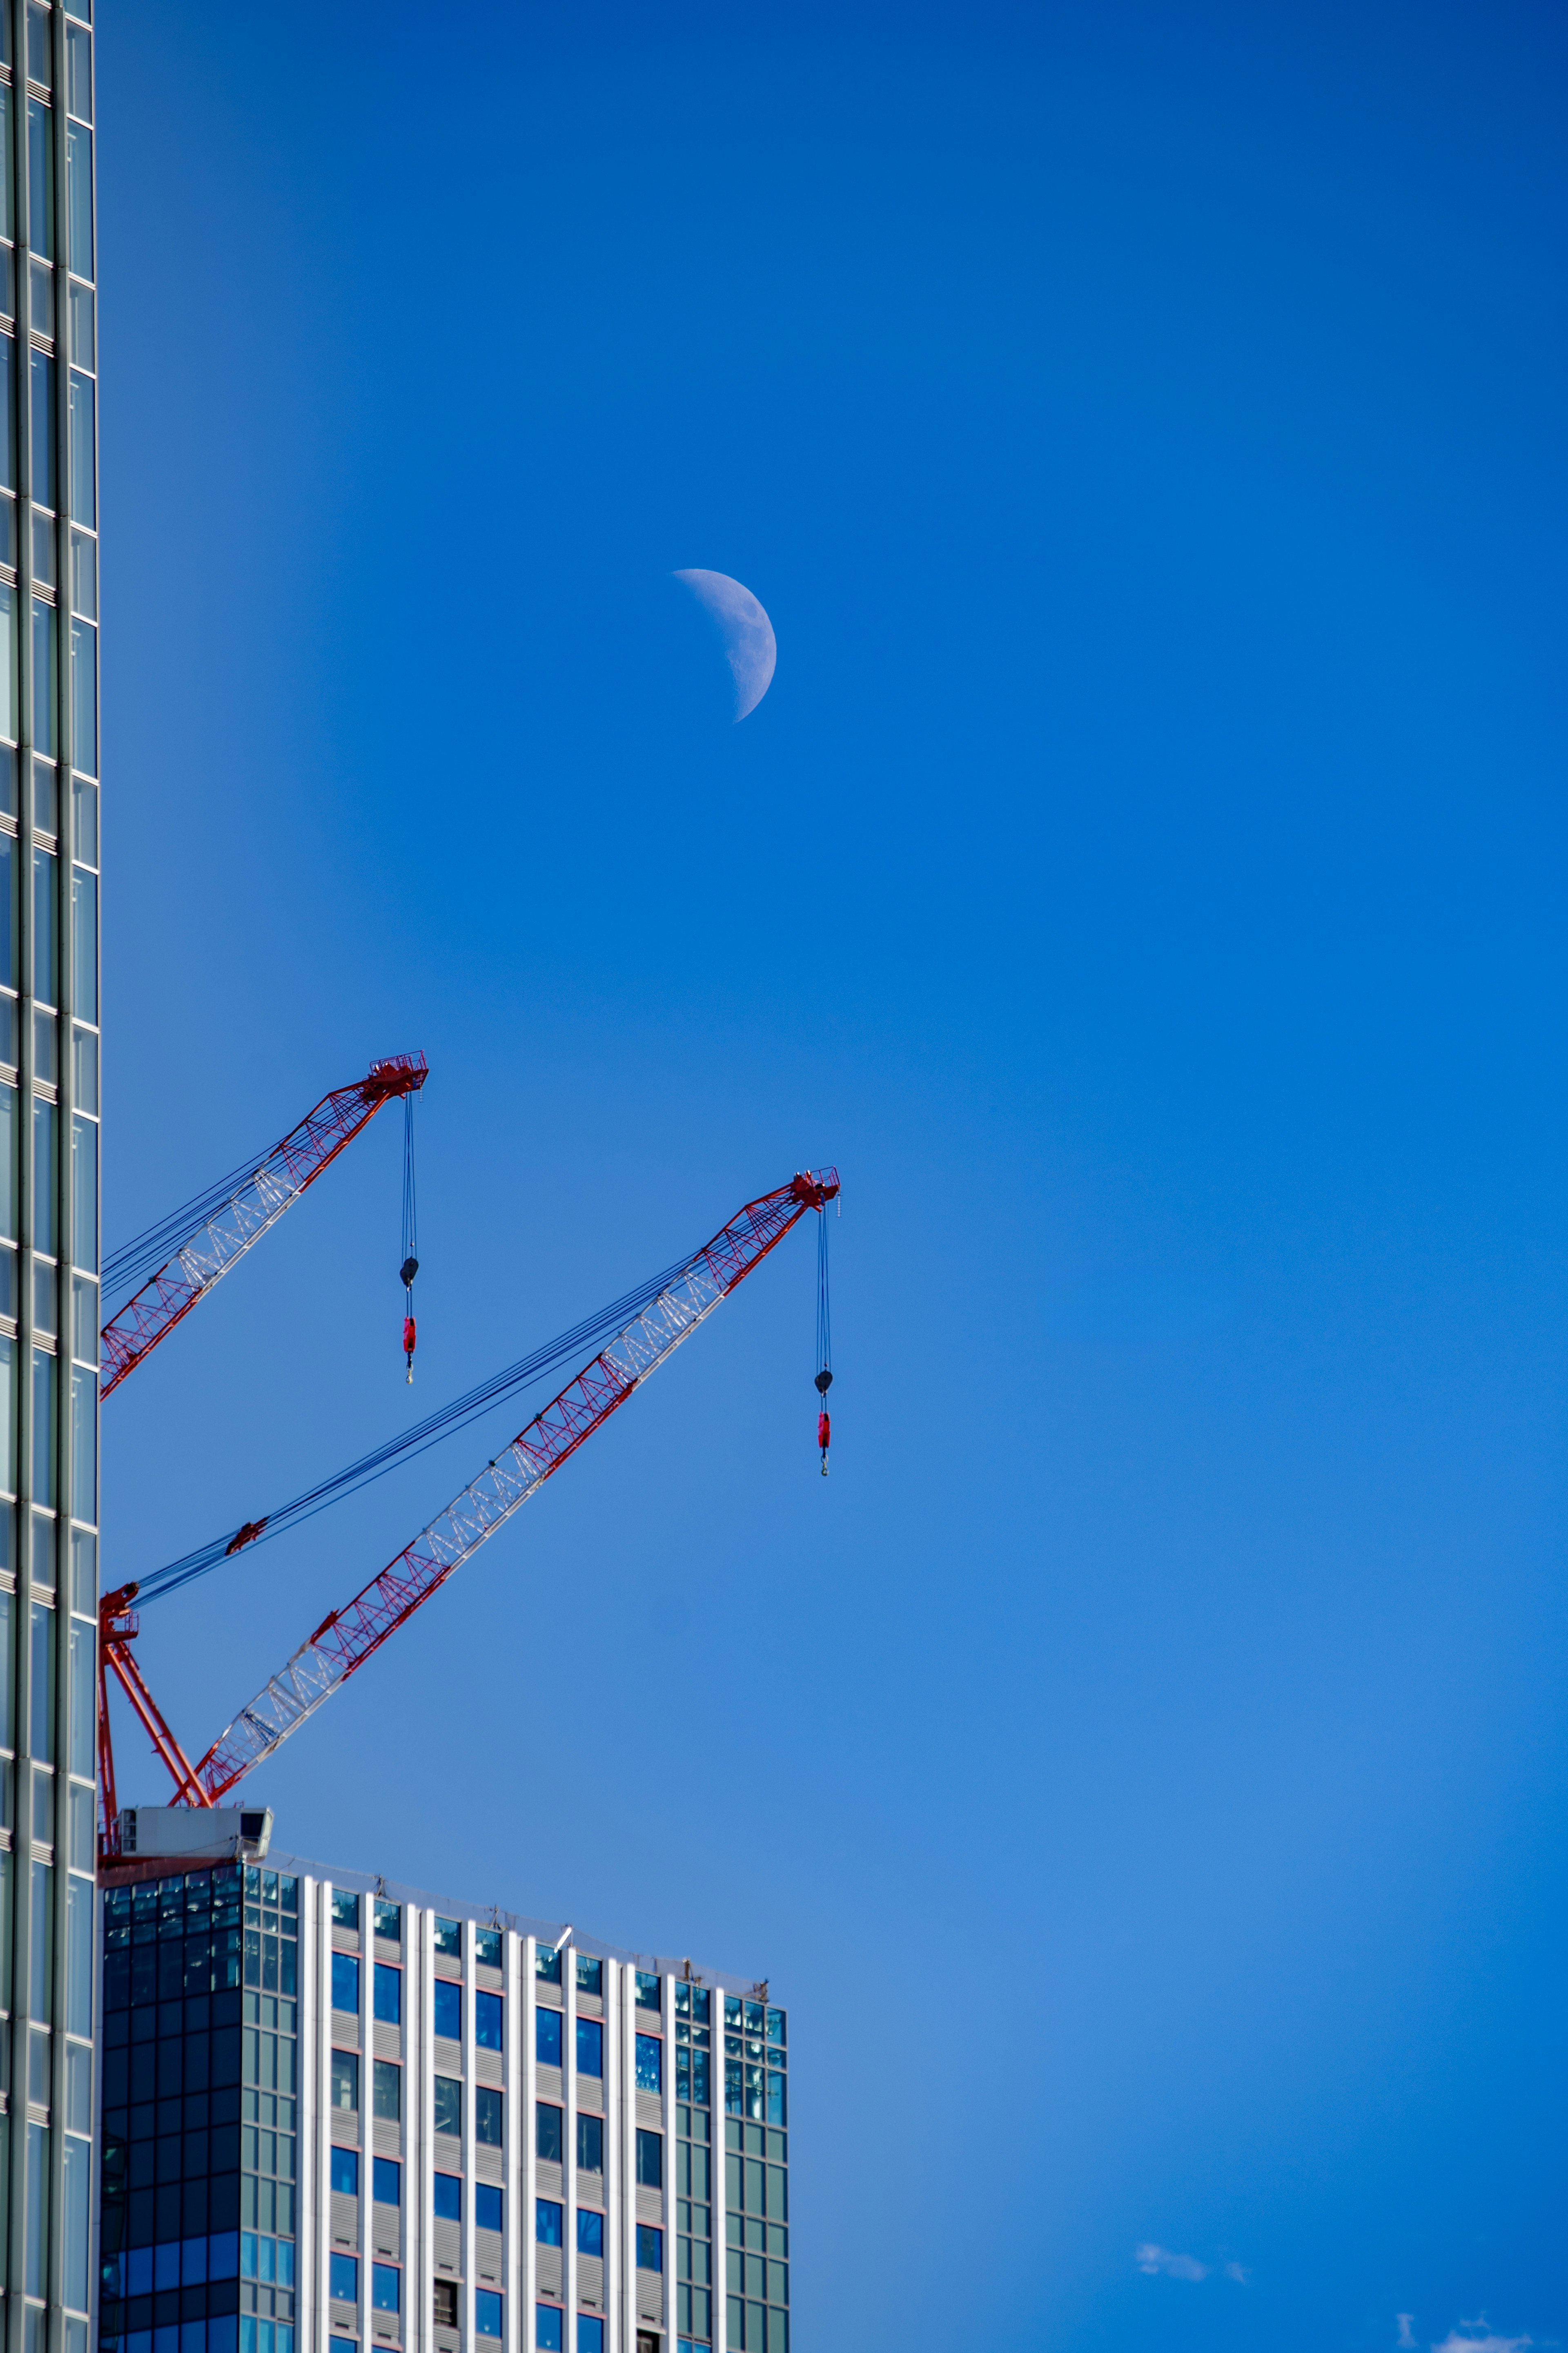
{"points": [[1153, 2260], [1406, 2340], [1463, 2339], [1161, 2260]]}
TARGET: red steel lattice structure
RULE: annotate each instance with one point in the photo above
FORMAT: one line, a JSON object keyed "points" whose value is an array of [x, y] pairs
{"points": [[207, 1255], [343, 1641]]}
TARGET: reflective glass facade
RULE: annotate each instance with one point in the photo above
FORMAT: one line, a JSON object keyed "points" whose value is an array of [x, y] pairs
{"points": [[201, 2096], [50, 1071]]}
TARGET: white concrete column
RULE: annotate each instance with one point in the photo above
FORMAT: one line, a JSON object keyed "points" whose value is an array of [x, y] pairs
{"points": [[667, 2194], [470, 2101], [367, 2109], [569, 2136], [311, 2084], [418, 2092], [528, 2083], [627, 2154], [512, 2271]]}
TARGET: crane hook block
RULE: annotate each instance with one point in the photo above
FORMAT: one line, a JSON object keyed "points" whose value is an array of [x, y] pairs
{"points": [[824, 1382], [407, 1271]]}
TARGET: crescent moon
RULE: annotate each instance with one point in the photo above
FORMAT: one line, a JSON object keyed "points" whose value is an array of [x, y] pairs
{"points": [[750, 647]]}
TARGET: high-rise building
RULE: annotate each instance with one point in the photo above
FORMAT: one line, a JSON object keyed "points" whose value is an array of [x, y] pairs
{"points": [[48, 1164], [342, 2116]]}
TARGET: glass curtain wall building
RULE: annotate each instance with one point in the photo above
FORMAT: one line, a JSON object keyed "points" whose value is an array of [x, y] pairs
{"points": [[48, 1163], [342, 2116]]}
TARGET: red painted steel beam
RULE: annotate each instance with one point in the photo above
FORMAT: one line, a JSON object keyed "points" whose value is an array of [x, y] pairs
{"points": [[168, 1297], [345, 1640]]}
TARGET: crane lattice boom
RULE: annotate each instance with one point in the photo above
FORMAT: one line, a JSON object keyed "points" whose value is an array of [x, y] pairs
{"points": [[343, 1641], [207, 1255]]}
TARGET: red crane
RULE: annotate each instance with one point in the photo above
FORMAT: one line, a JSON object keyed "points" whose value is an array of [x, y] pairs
{"points": [[220, 1236], [345, 1640]]}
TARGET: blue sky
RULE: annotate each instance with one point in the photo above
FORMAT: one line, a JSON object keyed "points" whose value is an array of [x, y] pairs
{"points": [[1140, 1768]]}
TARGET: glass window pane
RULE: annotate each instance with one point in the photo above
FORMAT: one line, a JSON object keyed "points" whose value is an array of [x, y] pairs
{"points": [[449, 1938], [448, 2110], [79, 72], [41, 1742], [79, 198], [84, 328], [82, 1666], [9, 726], [388, 1916], [386, 2181], [388, 1994], [46, 932], [84, 490], [84, 1445], [84, 701], [487, 2021], [590, 2047], [41, 298], [650, 2248], [41, 178], [84, 1329], [8, 1418], [8, 1162], [78, 1956], [84, 944], [388, 2082], [43, 634], [488, 2117], [84, 1192], [547, 2132], [40, 51], [45, 797], [345, 1982], [547, 2037], [8, 149], [448, 2009], [449, 2196], [46, 1128]]}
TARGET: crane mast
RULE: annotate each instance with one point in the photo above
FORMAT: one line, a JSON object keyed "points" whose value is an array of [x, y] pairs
{"points": [[343, 1641]]}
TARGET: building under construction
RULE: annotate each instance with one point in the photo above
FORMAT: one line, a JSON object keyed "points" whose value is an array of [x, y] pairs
{"points": [[344, 2113]]}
